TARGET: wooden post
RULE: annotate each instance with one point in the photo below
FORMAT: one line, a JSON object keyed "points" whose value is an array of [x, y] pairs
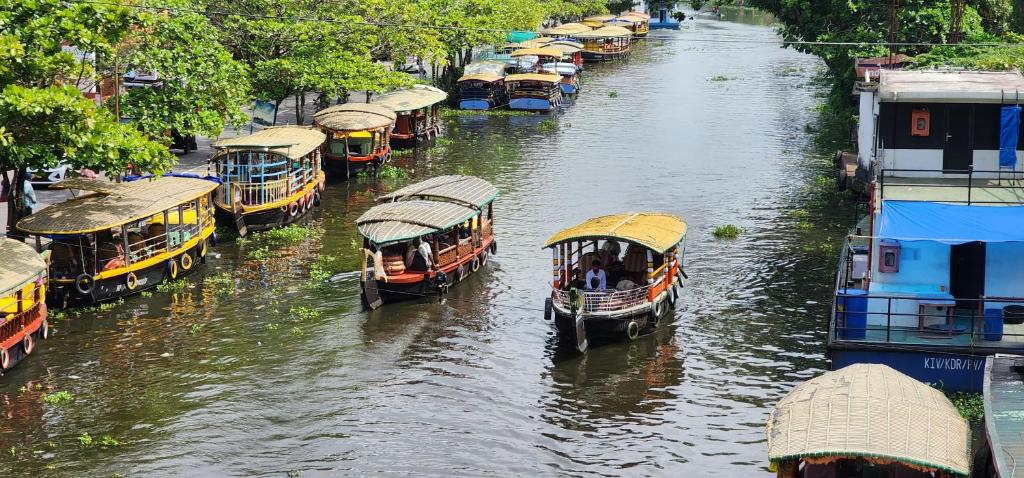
{"points": [[556, 266], [437, 248]]}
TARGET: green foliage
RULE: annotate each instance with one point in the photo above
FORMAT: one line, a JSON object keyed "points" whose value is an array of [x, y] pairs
{"points": [[727, 231], [174, 286], [547, 126], [970, 405], [302, 313], [196, 329], [452, 112], [223, 283], [259, 253], [291, 234], [58, 398], [613, 94], [388, 171], [720, 78], [85, 439]]}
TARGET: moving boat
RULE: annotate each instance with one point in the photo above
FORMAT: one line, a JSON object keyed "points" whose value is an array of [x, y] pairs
{"points": [[605, 43], [426, 237], [418, 109], [270, 178], [632, 292], [534, 91], [123, 237], [482, 87], [358, 137], [570, 83], [22, 301], [867, 420]]}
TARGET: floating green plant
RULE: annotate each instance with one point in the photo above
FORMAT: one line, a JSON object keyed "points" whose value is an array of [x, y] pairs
{"points": [[495, 112], [58, 398], [258, 253], [145, 294], [85, 439], [174, 286], [727, 231], [547, 125], [222, 282], [613, 94], [109, 441], [196, 329], [444, 141], [389, 171], [290, 234], [303, 313], [297, 332], [719, 78], [970, 405], [272, 327]]}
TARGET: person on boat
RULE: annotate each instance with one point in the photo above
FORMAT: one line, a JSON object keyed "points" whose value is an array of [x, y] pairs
{"points": [[596, 272], [422, 259]]}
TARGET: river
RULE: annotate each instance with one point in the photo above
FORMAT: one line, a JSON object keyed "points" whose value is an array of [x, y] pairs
{"points": [[273, 375]]}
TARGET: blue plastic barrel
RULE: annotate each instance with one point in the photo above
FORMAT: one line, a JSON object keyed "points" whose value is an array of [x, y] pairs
{"points": [[852, 314], [992, 326]]}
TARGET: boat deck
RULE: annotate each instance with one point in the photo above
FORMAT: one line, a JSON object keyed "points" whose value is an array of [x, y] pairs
{"points": [[1004, 419], [937, 334], [954, 190]]}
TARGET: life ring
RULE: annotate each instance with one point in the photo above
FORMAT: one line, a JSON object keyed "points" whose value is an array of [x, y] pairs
{"points": [[131, 281], [186, 261], [632, 330], [548, 308], [5, 359], [84, 284], [316, 199], [28, 344], [293, 209], [172, 268], [44, 330], [474, 264]]}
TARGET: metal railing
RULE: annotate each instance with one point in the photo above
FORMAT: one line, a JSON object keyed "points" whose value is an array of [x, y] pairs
{"points": [[254, 194], [604, 301], [990, 180]]}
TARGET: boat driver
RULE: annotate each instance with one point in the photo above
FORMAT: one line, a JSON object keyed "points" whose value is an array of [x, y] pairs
{"points": [[596, 278]]}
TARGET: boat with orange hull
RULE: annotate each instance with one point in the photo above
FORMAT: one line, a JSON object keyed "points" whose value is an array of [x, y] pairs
{"points": [[23, 322], [419, 112], [358, 137]]}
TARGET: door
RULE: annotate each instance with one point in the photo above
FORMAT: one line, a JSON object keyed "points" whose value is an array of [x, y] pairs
{"points": [[957, 155], [967, 273]]}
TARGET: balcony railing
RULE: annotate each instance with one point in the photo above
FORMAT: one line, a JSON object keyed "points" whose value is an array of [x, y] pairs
{"points": [[604, 301], [972, 186]]}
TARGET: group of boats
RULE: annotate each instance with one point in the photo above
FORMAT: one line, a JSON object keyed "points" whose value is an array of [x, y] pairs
{"points": [[537, 73]]}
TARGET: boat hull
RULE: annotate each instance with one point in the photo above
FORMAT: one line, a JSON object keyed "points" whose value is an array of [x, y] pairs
{"points": [[475, 105], [346, 168], [569, 89], [593, 56], [611, 327], [280, 214], [15, 346], [429, 286], [952, 372], [532, 104]]}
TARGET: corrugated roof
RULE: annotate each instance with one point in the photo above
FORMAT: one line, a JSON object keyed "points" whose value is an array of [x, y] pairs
{"points": [[291, 141], [404, 220], [1004, 411], [871, 411], [129, 202], [656, 231], [533, 77], [950, 86], [606, 32], [20, 265], [538, 52], [419, 96], [355, 117], [468, 190]]}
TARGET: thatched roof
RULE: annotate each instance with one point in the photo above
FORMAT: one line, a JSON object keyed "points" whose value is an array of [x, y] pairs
{"points": [[419, 96], [657, 231], [537, 52], [491, 67], [354, 117], [542, 77], [567, 29], [293, 142], [404, 220], [20, 265], [870, 411], [486, 77], [467, 190]]}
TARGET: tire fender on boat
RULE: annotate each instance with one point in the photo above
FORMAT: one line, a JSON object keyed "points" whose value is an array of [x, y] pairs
{"points": [[494, 247], [656, 310], [316, 199], [483, 258], [44, 330], [548, 308], [293, 209], [172, 268], [131, 281], [28, 344], [84, 284], [672, 296], [5, 359], [186, 261], [475, 264], [632, 330], [460, 273]]}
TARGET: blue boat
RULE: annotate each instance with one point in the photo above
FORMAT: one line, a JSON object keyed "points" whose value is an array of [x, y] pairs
{"points": [[570, 83], [534, 91], [482, 87]]}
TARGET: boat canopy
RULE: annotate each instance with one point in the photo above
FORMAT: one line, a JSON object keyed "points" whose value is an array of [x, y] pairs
{"points": [[567, 29], [566, 46], [404, 220], [624, 22], [657, 231], [606, 32], [949, 86], [641, 15], [419, 96], [562, 68], [21, 265], [518, 36], [124, 203], [870, 411], [485, 77], [535, 43], [599, 18], [541, 77], [467, 190], [950, 223], [293, 142], [355, 117], [552, 52], [491, 67]]}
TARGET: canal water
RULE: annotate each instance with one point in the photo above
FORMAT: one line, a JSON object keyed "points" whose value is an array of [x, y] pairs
{"points": [[255, 369]]}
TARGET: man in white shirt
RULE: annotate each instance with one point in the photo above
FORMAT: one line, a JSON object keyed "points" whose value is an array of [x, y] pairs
{"points": [[596, 278], [426, 252]]}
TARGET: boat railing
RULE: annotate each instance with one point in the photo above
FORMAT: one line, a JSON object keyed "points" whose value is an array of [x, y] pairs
{"points": [[604, 301], [970, 186], [254, 194]]}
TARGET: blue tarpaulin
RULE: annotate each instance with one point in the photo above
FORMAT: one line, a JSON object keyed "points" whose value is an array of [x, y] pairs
{"points": [[950, 223], [1009, 126]]}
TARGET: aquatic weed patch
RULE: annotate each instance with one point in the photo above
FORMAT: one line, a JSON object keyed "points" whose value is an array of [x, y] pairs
{"points": [[290, 234], [547, 125], [389, 171], [222, 283], [174, 286], [970, 405], [727, 231], [58, 398], [720, 78], [303, 313], [452, 112], [613, 94]]}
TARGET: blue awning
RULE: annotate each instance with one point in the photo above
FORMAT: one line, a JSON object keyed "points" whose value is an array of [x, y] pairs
{"points": [[950, 223]]}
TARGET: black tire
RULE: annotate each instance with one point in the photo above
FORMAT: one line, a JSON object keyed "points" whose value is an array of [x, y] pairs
{"points": [[494, 247], [672, 296], [632, 330], [549, 309], [86, 289]]}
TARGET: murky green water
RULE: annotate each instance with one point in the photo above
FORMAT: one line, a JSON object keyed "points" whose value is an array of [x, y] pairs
{"points": [[235, 379]]}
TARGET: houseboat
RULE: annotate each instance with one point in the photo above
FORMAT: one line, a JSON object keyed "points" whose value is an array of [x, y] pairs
{"points": [[482, 91], [1003, 401], [566, 30], [358, 137], [122, 238], [571, 51], [543, 55], [928, 282], [636, 22], [270, 178], [22, 301], [534, 91], [605, 43], [599, 290], [597, 21], [418, 109], [426, 237], [867, 420], [570, 83]]}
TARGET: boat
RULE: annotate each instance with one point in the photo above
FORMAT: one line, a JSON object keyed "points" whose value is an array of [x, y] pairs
{"points": [[22, 301], [418, 109], [542, 55], [122, 238], [534, 91], [268, 179], [664, 21], [358, 137], [571, 49], [605, 43], [636, 22], [566, 30], [867, 420], [482, 86], [570, 83], [1002, 401], [640, 286], [925, 282], [597, 21], [453, 214]]}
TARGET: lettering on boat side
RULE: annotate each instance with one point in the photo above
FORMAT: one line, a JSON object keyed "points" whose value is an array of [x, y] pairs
{"points": [[952, 363]]}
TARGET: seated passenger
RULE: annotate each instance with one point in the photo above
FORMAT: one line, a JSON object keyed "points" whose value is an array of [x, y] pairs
{"points": [[597, 273], [137, 245], [157, 233], [111, 255]]}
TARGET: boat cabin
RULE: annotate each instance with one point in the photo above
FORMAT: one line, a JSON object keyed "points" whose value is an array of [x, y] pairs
{"points": [[570, 83], [122, 238], [605, 43], [867, 421], [426, 237], [358, 137], [615, 275], [534, 91], [418, 109], [270, 178], [571, 50], [482, 86], [22, 301], [636, 22]]}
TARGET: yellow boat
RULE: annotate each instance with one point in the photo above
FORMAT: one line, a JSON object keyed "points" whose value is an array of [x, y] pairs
{"points": [[22, 302], [605, 43], [123, 237]]}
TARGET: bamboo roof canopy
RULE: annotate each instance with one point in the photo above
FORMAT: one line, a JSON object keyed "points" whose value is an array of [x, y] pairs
{"points": [[870, 411], [538, 52], [490, 67], [468, 190], [566, 47], [20, 265], [606, 32], [641, 15], [487, 77], [404, 220], [600, 18], [546, 78], [567, 29], [128, 202], [293, 142], [657, 231], [419, 96], [534, 43], [355, 117]]}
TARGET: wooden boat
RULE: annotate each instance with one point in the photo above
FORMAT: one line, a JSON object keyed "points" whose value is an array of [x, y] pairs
{"points": [[453, 214], [270, 178], [867, 420], [597, 21], [570, 83], [534, 91], [358, 137], [123, 237], [543, 55], [418, 109], [640, 286], [482, 87], [567, 30], [637, 22], [22, 301], [605, 43], [571, 50]]}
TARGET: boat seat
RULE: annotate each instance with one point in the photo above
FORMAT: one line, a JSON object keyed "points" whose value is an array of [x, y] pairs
{"points": [[394, 264]]}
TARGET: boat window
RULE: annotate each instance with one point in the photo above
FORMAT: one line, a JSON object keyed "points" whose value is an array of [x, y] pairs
{"points": [[110, 253], [69, 256], [337, 147]]}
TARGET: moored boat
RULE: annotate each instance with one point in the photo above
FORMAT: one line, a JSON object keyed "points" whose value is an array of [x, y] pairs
{"points": [[571, 49], [358, 137], [124, 237], [426, 237], [566, 30], [597, 21], [570, 83], [637, 22], [605, 43], [418, 109], [270, 178], [534, 91], [633, 292], [482, 86], [22, 301]]}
